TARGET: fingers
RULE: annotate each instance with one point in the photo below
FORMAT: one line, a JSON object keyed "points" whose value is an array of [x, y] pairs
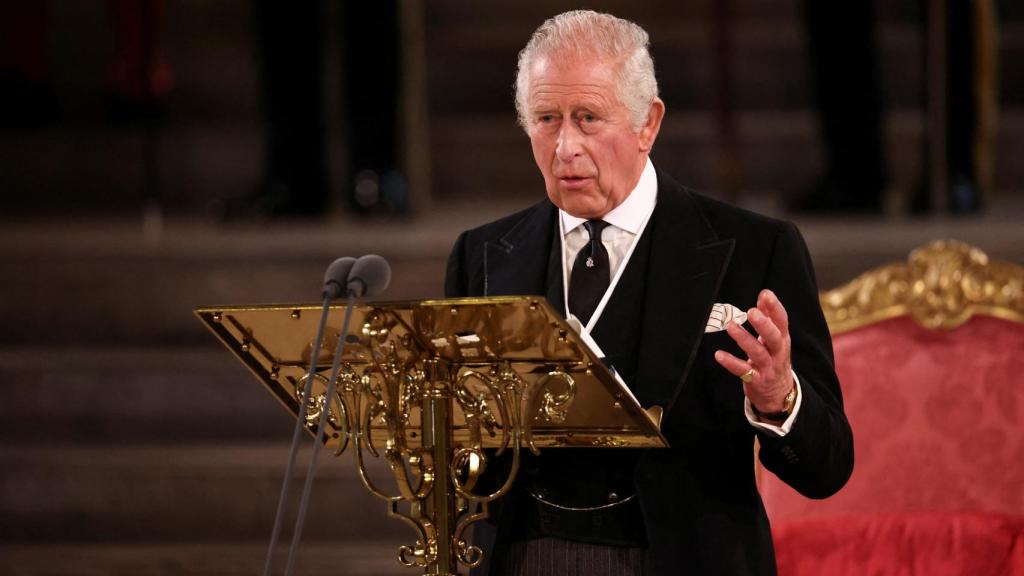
{"points": [[768, 353], [759, 355], [732, 364], [769, 333], [769, 303]]}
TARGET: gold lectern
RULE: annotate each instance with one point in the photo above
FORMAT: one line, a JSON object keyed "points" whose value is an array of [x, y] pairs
{"points": [[429, 386]]}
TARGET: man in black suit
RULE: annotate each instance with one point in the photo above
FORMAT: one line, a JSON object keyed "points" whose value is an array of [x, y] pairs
{"points": [[660, 278]]}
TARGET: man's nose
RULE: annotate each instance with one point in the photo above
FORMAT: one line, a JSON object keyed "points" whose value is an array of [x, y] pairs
{"points": [[569, 142]]}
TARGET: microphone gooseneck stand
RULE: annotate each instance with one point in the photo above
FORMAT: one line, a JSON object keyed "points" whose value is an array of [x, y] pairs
{"points": [[321, 426], [366, 276], [335, 277]]}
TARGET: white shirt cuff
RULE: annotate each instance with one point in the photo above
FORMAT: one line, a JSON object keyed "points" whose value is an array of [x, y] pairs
{"points": [[780, 430]]}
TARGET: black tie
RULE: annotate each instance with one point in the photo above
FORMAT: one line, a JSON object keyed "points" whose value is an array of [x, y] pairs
{"points": [[591, 274]]}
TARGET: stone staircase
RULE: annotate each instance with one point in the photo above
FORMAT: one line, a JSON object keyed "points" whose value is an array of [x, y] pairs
{"points": [[131, 441], [165, 460], [172, 466]]}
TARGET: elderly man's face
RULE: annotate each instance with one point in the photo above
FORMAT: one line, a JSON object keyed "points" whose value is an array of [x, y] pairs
{"points": [[582, 137]]}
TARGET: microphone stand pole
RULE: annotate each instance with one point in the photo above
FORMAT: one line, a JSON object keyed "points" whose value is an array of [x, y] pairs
{"points": [[297, 434], [317, 444]]}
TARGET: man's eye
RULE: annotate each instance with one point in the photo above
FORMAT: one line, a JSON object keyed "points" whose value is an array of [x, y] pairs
{"points": [[588, 118], [546, 118]]}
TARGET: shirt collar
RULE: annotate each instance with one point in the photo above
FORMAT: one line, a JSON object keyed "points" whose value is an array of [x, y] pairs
{"points": [[631, 214]]}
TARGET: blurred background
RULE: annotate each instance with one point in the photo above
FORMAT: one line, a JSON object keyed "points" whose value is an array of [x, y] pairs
{"points": [[158, 156]]}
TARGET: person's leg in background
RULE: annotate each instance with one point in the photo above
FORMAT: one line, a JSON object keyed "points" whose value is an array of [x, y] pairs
{"points": [[843, 51], [372, 85], [290, 53]]}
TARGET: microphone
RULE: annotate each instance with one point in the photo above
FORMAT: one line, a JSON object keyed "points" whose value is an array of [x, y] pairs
{"points": [[369, 276], [336, 277]]}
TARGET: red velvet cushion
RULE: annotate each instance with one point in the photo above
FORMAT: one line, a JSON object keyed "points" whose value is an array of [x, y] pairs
{"points": [[937, 417], [936, 544]]}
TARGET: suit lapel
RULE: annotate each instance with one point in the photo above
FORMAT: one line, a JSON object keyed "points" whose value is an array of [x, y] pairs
{"points": [[527, 259], [687, 263], [556, 270]]}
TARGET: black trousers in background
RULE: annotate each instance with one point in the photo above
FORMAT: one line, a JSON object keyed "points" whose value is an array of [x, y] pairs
{"points": [[844, 61], [291, 41], [843, 52]]}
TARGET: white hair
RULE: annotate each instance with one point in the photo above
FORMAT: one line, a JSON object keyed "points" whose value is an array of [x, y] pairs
{"points": [[589, 34]]}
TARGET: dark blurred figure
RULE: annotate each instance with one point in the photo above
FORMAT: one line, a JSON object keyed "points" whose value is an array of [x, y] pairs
{"points": [[372, 88], [137, 76], [138, 79], [290, 37], [963, 32], [291, 55], [843, 48], [843, 51], [961, 110], [26, 91]]}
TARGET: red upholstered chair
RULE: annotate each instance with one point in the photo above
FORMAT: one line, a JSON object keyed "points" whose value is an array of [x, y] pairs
{"points": [[930, 354]]}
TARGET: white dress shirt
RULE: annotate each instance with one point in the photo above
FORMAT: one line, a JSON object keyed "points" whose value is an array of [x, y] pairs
{"points": [[626, 222]]}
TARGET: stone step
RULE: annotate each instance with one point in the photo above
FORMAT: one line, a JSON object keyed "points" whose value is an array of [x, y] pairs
{"points": [[100, 283], [132, 396], [320, 558], [95, 281], [68, 493], [195, 166]]}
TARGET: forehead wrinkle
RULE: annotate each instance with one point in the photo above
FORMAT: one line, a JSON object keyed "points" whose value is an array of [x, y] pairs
{"points": [[554, 78], [552, 94]]}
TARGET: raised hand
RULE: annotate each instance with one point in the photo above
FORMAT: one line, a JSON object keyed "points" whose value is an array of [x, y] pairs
{"points": [[766, 374]]}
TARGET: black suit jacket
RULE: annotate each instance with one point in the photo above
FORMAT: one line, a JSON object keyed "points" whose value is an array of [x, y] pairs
{"points": [[700, 501]]}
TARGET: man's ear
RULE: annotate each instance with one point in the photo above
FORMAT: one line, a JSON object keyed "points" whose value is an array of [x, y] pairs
{"points": [[649, 131]]}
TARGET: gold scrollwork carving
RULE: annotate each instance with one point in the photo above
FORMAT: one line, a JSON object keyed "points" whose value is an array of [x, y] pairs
{"points": [[941, 285], [607, 442], [468, 462], [506, 394], [383, 405], [377, 326], [476, 407], [390, 393], [554, 405], [469, 555], [419, 556], [338, 412]]}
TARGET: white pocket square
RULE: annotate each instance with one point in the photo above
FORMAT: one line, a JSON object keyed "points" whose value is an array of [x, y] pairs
{"points": [[721, 315]]}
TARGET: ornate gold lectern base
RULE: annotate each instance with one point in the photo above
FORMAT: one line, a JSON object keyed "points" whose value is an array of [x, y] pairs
{"points": [[428, 386]]}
